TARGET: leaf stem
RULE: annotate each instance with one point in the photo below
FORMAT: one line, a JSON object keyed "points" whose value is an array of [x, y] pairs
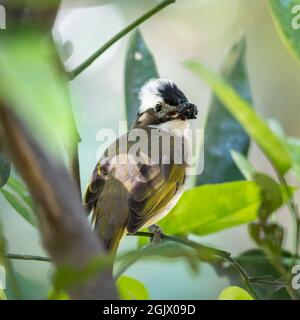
{"points": [[73, 74]]}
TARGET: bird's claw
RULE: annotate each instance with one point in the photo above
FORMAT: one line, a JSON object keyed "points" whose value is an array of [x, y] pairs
{"points": [[157, 236]]}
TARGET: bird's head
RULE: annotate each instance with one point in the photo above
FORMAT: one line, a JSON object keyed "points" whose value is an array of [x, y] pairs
{"points": [[163, 101]]}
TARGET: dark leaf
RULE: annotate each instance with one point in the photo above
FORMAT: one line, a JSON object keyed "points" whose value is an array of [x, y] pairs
{"points": [[223, 132], [258, 265], [140, 67], [269, 236]]}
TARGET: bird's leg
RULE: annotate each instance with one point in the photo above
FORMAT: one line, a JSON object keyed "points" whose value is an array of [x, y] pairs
{"points": [[158, 234]]}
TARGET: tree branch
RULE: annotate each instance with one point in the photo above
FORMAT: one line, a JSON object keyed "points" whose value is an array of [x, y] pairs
{"points": [[73, 74], [65, 231]]}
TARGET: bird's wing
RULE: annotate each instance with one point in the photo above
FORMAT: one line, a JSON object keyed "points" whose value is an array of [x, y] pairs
{"points": [[149, 198], [96, 184]]}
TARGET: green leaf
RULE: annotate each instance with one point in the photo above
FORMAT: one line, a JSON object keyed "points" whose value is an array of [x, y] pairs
{"points": [[58, 295], [4, 170], [140, 67], [21, 207], [167, 250], [131, 289], [243, 164], [256, 127], [68, 276], [235, 293], [222, 131], [20, 190], [294, 148], [287, 21], [271, 195], [2, 295], [32, 84], [268, 236], [210, 208]]}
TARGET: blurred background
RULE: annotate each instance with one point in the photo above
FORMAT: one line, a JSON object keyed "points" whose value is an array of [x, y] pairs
{"points": [[201, 29]]}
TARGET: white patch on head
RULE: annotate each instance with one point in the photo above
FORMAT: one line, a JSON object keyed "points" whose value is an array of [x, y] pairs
{"points": [[150, 95]]}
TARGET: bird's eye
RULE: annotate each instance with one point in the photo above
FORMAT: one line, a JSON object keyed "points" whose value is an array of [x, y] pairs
{"points": [[158, 107]]}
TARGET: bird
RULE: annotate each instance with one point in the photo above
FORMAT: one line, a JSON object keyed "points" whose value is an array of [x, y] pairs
{"points": [[134, 187]]}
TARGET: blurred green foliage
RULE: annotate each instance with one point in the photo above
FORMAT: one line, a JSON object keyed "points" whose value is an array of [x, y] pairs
{"points": [[35, 86], [131, 289], [32, 84]]}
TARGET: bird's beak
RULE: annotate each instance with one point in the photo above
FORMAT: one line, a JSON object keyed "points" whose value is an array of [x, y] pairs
{"points": [[187, 111]]}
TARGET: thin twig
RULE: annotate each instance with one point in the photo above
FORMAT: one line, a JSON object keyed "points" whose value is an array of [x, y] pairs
{"points": [[14, 256], [215, 252], [73, 74]]}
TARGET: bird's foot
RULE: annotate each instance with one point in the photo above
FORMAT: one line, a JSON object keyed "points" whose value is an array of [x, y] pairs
{"points": [[157, 236]]}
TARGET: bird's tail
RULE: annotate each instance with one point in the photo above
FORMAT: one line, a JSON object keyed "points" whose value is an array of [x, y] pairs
{"points": [[112, 244]]}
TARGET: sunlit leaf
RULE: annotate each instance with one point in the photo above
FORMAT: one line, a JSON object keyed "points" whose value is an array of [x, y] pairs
{"points": [[33, 85], [140, 67], [286, 15], [255, 126], [235, 293], [4, 170], [210, 208], [58, 295], [222, 131], [131, 289], [21, 207]]}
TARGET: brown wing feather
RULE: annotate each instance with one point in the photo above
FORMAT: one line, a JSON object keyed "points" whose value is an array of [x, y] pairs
{"points": [[148, 199]]}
